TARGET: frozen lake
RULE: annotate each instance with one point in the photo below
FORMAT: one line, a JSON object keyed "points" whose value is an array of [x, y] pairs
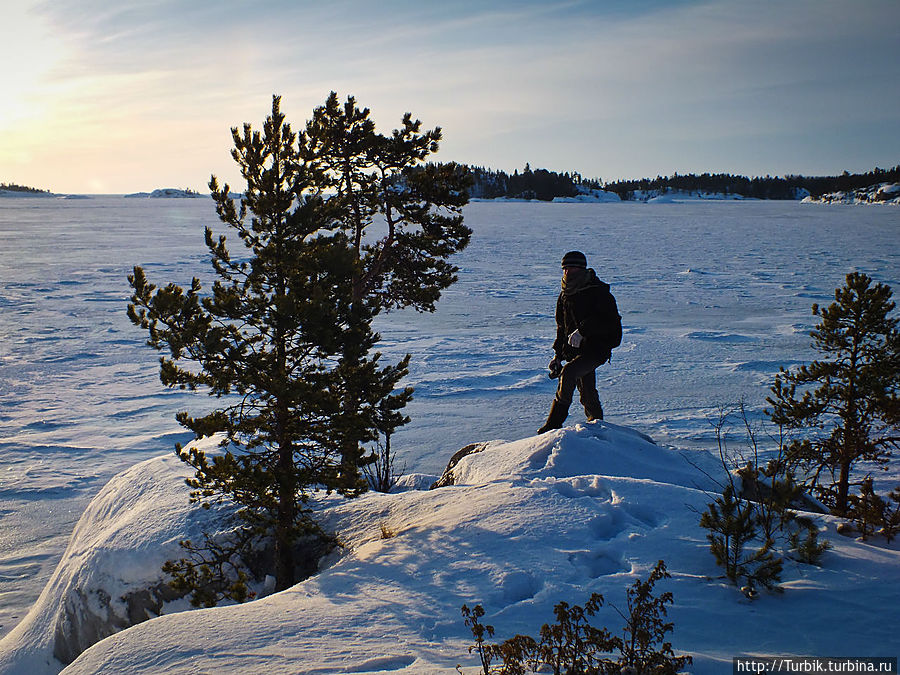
{"points": [[715, 296]]}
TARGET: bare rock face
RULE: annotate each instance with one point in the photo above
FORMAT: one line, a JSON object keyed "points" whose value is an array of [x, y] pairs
{"points": [[90, 613], [89, 616], [448, 478], [755, 490]]}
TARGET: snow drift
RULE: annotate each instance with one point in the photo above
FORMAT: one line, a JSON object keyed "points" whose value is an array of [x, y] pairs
{"points": [[524, 525]]}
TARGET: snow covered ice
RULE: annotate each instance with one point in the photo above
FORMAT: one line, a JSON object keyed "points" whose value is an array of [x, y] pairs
{"points": [[715, 297]]}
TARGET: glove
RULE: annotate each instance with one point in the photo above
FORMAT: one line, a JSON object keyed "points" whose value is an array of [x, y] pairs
{"points": [[555, 367], [575, 339]]}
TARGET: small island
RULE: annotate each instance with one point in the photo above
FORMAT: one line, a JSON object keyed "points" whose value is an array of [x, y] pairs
{"points": [[15, 190], [167, 193]]}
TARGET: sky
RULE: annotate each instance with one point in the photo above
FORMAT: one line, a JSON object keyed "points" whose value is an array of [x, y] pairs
{"points": [[103, 97]]}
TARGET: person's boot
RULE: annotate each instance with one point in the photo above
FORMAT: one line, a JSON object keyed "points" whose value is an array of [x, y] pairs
{"points": [[594, 412], [555, 419]]}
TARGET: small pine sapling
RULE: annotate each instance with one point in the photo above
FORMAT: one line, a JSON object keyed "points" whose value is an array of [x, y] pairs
{"points": [[808, 549], [763, 568], [891, 526], [572, 645], [783, 491], [867, 509], [643, 647], [732, 526], [479, 631]]}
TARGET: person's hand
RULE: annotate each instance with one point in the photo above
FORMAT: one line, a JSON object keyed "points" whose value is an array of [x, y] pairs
{"points": [[555, 367], [575, 339]]}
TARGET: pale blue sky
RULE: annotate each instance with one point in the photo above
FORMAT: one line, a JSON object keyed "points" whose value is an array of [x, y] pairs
{"points": [[140, 94]]}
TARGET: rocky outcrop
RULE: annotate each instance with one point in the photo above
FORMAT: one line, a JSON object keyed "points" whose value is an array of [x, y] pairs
{"points": [[447, 478], [88, 616], [882, 193]]}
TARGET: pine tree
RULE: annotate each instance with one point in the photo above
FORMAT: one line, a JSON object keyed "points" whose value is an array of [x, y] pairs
{"points": [[849, 400], [731, 523], [271, 343], [402, 215]]}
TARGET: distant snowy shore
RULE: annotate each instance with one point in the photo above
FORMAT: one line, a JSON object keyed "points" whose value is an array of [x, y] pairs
{"points": [[591, 196], [26, 194], [605, 197], [519, 527], [883, 193], [675, 196], [585, 196]]}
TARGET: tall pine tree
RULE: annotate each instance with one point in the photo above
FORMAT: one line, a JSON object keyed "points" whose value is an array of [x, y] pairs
{"points": [[402, 215], [848, 401], [271, 343]]}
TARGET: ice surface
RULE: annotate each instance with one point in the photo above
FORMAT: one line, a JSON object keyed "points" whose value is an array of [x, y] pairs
{"points": [[714, 295]]}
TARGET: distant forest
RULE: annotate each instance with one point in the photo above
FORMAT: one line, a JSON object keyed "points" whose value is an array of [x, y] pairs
{"points": [[530, 184], [12, 187], [545, 185]]}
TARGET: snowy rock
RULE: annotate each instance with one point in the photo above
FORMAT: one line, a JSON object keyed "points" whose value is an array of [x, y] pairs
{"points": [[110, 576], [414, 481], [882, 193], [523, 525], [589, 196], [448, 478], [755, 490], [88, 617]]}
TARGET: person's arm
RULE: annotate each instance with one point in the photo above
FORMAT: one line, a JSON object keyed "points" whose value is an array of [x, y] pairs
{"points": [[561, 337]]}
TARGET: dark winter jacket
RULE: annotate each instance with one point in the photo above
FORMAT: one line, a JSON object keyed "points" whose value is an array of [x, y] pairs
{"points": [[591, 310]]}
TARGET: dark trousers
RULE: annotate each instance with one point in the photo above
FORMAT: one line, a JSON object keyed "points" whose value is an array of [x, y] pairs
{"points": [[579, 373]]}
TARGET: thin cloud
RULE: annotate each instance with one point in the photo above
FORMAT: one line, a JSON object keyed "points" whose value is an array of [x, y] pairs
{"points": [[610, 89]]}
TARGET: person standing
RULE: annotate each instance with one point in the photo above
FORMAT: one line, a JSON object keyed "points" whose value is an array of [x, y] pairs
{"points": [[588, 326]]}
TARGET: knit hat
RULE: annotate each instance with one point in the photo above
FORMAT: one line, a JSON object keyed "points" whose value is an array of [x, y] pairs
{"points": [[574, 259]]}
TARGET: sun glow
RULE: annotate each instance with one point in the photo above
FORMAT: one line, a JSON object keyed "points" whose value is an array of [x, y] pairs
{"points": [[30, 52]]}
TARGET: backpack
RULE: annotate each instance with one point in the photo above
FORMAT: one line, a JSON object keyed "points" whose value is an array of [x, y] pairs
{"points": [[614, 337]]}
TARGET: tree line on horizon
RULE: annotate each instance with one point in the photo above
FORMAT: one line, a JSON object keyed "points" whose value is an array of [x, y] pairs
{"points": [[14, 187], [545, 185]]}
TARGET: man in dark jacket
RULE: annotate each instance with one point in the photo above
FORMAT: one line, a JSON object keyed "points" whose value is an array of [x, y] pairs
{"points": [[586, 322]]}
